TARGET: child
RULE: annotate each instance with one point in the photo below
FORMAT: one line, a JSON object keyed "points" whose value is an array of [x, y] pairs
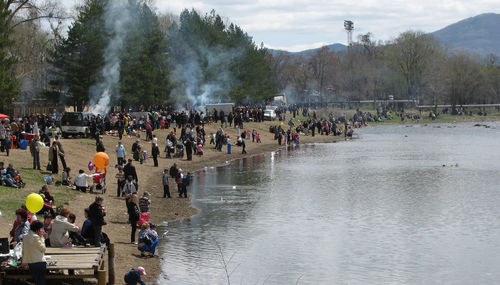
{"points": [[257, 137], [76, 237], [199, 148], [144, 156], [66, 179], [47, 226], [144, 202], [49, 179], [134, 276]]}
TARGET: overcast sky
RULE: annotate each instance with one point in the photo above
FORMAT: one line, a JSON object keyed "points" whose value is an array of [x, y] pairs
{"points": [[296, 25]]}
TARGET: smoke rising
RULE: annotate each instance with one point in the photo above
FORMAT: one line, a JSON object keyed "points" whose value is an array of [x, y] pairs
{"points": [[202, 73], [117, 18]]}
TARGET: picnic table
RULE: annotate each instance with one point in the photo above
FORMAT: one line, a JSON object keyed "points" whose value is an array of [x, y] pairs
{"points": [[89, 261]]}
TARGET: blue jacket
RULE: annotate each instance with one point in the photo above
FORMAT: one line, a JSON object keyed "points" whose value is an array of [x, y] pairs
{"points": [[186, 180], [133, 277], [120, 151]]}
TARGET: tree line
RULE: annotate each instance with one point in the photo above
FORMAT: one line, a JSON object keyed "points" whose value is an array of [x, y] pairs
{"points": [[190, 58], [198, 58], [413, 66]]}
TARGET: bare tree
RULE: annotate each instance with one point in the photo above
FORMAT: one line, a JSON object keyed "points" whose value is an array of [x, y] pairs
{"points": [[323, 63], [279, 62], [464, 79], [23, 11], [411, 54]]}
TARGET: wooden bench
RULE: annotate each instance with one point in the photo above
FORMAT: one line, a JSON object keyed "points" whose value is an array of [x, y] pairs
{"points": [[88, 260]]}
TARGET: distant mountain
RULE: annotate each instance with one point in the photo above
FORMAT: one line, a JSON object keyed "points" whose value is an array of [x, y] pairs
{"points": [[332, 47], [479, 34], [309, 52]]}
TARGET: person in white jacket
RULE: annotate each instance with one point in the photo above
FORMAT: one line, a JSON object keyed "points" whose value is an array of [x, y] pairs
{"points": [[81, 180], [60, 227], [33, 252]]}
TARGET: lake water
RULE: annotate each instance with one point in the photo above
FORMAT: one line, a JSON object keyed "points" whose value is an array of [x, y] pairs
{"points": [[381, 209]]}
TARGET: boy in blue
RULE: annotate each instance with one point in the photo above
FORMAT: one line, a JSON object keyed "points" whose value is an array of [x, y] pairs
{"points": [[134, 276]]}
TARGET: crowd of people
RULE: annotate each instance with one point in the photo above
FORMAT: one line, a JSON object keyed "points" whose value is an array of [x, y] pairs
{"points": [[186, 138]]}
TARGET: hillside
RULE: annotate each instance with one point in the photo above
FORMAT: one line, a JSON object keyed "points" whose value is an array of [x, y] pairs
{"points": [[478, 34], [307, 53]]}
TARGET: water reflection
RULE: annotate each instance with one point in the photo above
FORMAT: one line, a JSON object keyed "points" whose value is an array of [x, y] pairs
{"points": [[378, 210]]}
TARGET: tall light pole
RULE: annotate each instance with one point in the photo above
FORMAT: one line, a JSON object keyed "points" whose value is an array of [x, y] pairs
{"points": [[349, 27]]}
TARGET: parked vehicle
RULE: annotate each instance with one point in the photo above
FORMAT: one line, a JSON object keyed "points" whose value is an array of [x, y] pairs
{"points": [[269, 114], [76, 123], [226, 107]]}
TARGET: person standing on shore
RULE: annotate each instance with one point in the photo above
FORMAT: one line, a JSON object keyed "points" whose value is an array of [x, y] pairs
{"points": [[188, 145], [129, 170], [186, 179], [53, 154], [120, 177], [133, 215], [166, 189], [120, 127], [61, 153], [96, 217], [228, 145], [35, 152], [155, 151], [178, 181], [120, 153], [136, 150]]}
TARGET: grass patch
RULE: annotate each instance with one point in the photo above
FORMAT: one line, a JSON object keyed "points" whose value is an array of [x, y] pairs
{"points": [[12, 198]]}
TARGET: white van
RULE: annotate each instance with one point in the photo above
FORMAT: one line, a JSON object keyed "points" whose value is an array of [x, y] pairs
{"points": [[76, 123], [269, 114]]}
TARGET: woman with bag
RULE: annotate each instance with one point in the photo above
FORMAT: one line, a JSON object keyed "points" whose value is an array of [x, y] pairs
{"points": [[53, 157]]}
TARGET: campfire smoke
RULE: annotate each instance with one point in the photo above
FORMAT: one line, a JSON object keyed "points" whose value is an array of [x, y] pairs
{"points": [[117, 17]]}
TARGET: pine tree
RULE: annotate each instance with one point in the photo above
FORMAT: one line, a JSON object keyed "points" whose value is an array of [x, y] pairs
{"points": [[144, 71], [78, 59]]}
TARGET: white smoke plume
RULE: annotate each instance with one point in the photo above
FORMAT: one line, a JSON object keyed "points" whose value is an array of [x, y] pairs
{"points": [[188, 73], [117, 18]]}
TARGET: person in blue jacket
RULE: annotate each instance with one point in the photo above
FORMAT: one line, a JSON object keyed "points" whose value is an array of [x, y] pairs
{"points": [[134, 276]]}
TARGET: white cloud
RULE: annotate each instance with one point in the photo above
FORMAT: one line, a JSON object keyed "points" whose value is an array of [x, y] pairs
{"points": [[292, 24]]}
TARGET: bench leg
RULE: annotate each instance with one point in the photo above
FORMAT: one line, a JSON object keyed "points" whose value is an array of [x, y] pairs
{"points": [[101, 277]]}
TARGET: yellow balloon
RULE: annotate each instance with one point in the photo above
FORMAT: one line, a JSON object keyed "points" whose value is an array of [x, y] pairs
{"points": [[101, 160], [34, 202]]}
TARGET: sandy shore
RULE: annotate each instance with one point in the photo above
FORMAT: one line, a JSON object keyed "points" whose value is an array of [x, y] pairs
{"points": [[80, 151]]}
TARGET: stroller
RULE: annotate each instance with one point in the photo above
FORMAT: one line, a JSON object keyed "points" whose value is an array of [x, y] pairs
{"points": [[99, 182], [180, 151]]}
